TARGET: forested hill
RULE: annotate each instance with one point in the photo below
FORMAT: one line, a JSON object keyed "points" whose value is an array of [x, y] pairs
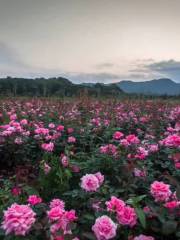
{"points": [[60, 87]]}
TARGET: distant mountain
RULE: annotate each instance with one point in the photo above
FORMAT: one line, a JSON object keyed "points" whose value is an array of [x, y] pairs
{"points": [[163, 86], [60, 87]]}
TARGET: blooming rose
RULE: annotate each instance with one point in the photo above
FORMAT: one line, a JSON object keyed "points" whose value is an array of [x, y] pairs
{"points": [[90, 182], [48, 147], [115, 204], [18, 219], [65, 161], [34, 200], [55, 213], [173, 204], [117, 135], [57, 203], [160, 191], [127, 216], [71, 139], [104, 228]]}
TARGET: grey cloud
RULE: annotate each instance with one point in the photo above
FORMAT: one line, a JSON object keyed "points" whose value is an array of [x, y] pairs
{"points": [[94, 77], [105, 65], [165, 66], [161, 69], [169, 68]]}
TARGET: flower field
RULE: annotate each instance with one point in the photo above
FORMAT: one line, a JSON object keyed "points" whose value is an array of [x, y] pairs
{"points": [[89, 169]]}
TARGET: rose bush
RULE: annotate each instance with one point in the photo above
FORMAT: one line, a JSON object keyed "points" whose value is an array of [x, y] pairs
{"points": [[89, 169]]}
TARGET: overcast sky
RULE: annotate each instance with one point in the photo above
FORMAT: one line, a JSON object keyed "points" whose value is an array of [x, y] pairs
{"points": [[90, 40]]}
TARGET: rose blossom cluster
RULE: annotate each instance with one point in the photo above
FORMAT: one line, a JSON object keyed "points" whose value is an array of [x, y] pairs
{"points": [[59, 218], [130, 140], [92, 182], [171, 141], [109, 149], [125, 214], [48, 147], [18, 219]]}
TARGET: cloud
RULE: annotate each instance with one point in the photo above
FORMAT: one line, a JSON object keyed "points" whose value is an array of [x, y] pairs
{"points": [[104, 65], [104, 77], [169, 68], [157, 69]]}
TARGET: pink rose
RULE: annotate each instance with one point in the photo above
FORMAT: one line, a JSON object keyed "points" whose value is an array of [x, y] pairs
{"points": [[160, 191], [127, 216], [117, 135], [55, 213], [34, 200], [71, 139], [115, 205], [18, 219], [57, 203], [48, 147], [104, 228], [91, 182]]}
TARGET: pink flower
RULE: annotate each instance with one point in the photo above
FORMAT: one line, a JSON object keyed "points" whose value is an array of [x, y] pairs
{"points": [[16, 191], [132, 139], [18, 140], [47, 168], [139, 173], [117, 135], [55, 213], [70, 130], [18, 219], [42, 131], [127, 216], [57, 203], [51, 125], [90, 182], [65, 161], [34, 200], [71, 139], [143, 237], [177, 165], [172, 141], [61, 220], [109, 149], [160, 191], [13, 117], [153, 148], [60, 128], [171, 205], [48, 147], [24, 122], [100, 177], [104, 228], [115, 204]]}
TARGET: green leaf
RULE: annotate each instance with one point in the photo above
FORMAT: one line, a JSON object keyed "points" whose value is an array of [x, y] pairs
{"points": [[89, 216], [141, 216]]}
